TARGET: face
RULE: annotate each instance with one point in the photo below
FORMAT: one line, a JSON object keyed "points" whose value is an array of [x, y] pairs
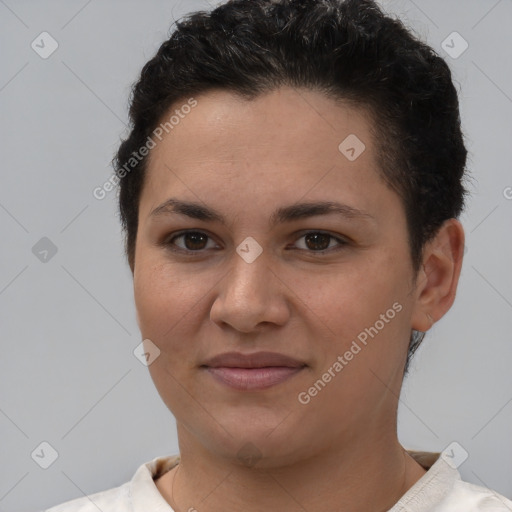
{"points": [[249, 270]]}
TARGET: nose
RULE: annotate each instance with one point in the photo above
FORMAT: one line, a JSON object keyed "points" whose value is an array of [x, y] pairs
{"points": [[250, 296]]}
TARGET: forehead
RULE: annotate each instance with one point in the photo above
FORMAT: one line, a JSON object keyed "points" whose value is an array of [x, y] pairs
{"points": [[285, 115], [289, 139]]}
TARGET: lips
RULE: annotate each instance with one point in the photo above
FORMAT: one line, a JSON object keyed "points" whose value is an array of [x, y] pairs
{"points": [[255, 360], [252, 372]]}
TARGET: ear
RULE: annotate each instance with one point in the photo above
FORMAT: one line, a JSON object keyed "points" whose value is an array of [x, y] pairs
{"points": [[437, 280]]}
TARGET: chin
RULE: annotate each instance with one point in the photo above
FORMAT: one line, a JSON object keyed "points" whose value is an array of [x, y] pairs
{"points": [[258, 445]]}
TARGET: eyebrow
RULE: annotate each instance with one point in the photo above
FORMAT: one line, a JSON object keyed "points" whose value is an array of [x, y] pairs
{"points": [[283, 214]]}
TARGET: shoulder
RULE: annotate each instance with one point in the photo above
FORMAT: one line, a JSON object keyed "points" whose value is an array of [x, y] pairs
{"points": [[441, 489], [469, 497], [109, 500], [139, 494]]}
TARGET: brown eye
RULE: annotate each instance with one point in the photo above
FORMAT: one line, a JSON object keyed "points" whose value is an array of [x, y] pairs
{"points": [[193, 241], [317, 241]]}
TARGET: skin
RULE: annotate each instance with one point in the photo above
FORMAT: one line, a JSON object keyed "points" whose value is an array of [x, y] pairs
{"points": [[244, 159]]}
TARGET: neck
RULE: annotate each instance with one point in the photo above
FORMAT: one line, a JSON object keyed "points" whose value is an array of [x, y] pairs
{"points": [[371, 475]]}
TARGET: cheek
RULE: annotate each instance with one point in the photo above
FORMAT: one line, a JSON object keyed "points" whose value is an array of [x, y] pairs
{"points": [[166, 306], [353, 299], [366, 312], [367, 319], [172, 306]]}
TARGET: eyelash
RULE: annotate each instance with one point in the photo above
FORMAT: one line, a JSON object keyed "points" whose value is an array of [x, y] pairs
{"points": [[170, 245]]}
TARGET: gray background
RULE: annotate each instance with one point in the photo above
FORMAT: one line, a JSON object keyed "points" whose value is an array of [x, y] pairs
{"points": [[68, 326]]}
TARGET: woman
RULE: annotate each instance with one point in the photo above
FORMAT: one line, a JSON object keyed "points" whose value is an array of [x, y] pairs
{"points": [[290, 192]]}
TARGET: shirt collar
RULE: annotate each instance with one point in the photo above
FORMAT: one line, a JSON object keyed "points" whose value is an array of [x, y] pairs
{"points": [[432, 487], [144, 494], [427, 492]]}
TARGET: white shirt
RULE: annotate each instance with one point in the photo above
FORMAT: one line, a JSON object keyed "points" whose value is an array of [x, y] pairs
{"points": [[440, 489]]}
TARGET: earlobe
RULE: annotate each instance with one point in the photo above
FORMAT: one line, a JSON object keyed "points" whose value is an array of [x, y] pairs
{"points": [[430, 319], [437, 283]]}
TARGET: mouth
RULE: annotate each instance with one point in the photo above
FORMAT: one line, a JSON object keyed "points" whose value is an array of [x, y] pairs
{"points": [[252, 372]]}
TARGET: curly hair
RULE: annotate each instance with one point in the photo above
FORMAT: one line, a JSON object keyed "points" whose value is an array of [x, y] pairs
{"points": [[349, 50]]}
